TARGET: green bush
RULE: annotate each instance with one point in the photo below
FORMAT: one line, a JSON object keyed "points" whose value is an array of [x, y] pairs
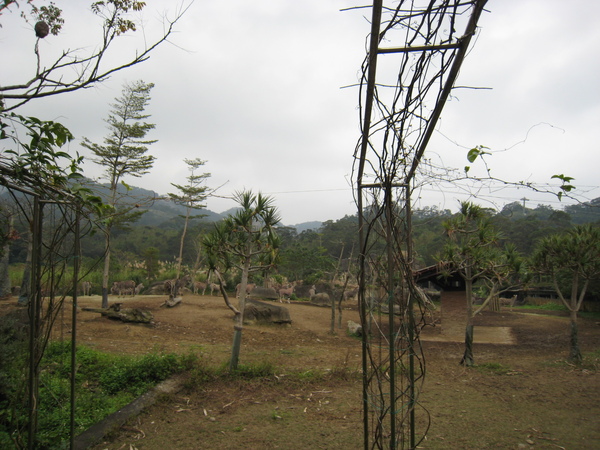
{"points": [[104, 384]]}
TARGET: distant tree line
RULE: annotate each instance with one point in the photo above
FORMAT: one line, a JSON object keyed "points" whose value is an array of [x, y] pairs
{"points": [[313, 254]]}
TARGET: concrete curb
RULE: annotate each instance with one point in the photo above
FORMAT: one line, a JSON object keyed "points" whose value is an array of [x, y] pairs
{"points": [[97, 432]]}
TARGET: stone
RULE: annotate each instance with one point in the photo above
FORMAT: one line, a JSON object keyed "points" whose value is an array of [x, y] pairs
{"points": [[260, 312], [264, 293], [321, 299], [354, 328]]}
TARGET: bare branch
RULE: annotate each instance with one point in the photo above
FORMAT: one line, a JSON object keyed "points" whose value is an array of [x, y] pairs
{"points": [[87, 70]]}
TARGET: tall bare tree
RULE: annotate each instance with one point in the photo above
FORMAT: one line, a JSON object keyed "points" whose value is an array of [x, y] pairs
{"points": [[124, 153]]}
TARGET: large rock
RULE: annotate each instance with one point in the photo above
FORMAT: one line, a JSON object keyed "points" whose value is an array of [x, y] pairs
{"points": [[264, 293], [321, 299], [260, 312], [133, 315]]}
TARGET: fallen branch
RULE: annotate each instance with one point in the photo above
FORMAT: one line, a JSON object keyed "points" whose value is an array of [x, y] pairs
{"points": [[171, 302]]}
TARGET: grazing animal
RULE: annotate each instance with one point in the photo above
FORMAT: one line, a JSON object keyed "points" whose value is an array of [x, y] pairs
{"points": [[122, 288], [312, 291], [198, 286], [86, 287], [172, 287], [249, 288], [213, 287], [286, 292], [508, 301], [351, 294], [139, 288], [127, 288], [168, 286]]}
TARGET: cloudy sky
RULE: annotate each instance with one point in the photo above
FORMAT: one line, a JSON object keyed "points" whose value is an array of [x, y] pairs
{"points": [[256, 90]]}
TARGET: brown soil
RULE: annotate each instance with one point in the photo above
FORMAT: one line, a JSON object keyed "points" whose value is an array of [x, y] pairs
{"points": [[522, 393]]}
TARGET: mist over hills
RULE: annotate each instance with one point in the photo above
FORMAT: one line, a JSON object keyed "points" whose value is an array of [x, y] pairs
{"points": [[160, 210]]}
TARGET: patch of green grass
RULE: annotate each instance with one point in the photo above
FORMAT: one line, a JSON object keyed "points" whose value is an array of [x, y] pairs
{"points": [[257, 370], [104, 383], [550, 306], [277, 415], [495, 368]]}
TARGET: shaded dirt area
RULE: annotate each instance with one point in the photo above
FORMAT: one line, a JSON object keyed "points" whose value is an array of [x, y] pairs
{"points": [[522, 394]]}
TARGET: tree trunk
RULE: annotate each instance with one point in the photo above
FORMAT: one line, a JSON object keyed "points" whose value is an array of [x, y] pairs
{"points": [[467, 359], [4, 273], [239, 318], [25, 291], [183, 233], [574, 353], [332, 331], [105, 273]]}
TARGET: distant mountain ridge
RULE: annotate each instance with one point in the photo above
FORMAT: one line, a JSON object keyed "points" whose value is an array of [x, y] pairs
{"points": [[162, 209]]}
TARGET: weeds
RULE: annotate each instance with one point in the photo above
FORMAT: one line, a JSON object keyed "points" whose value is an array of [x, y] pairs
{"points": [[590, 363], [495, 368], [104, 383]]}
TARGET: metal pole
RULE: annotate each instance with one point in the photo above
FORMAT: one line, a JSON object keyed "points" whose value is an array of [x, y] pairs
{"points": [[34, 321], [76, 263], [391, 332], [411, 321], [375, 25]]}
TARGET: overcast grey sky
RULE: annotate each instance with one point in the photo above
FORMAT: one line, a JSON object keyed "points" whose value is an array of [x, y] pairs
{"points": [[255, 89]]}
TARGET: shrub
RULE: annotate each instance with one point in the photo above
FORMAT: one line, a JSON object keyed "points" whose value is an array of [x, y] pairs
{"points": [[104, 384]]}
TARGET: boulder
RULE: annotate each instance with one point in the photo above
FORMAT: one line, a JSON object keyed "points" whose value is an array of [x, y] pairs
{"points": [[260, 312], [354, 328], [132, 315], [321, 299], [264, 293]]}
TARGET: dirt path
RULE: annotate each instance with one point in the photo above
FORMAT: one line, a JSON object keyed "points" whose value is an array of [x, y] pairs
{"points": [[452, 325]]}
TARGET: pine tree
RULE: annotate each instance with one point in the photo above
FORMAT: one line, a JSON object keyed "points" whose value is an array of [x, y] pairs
{"points": [[191, 195], [124, 153]]}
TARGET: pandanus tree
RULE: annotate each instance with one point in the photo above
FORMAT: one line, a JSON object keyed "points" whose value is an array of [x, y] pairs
{"points": [[473, 252], [245, 241], [571, 260]]}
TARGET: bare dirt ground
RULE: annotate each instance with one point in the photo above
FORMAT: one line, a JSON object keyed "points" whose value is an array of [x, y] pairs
{"points": [[522, 394]]}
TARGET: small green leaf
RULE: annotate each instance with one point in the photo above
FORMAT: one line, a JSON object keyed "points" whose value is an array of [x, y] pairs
{"points": [[473, 154], [467, 168]]}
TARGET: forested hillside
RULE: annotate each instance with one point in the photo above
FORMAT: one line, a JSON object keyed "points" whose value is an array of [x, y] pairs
{"points": [[307, 254]]}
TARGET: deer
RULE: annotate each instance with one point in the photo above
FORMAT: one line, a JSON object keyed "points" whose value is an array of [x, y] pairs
{"points": [[286, 292]]}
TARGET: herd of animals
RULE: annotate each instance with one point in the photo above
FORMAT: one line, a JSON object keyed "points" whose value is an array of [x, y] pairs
{"points": [[174, 287]]}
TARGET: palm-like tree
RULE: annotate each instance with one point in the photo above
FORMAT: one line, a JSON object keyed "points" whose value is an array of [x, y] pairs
{"points": [[470, 251], [247, 241], [573, 257]]}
